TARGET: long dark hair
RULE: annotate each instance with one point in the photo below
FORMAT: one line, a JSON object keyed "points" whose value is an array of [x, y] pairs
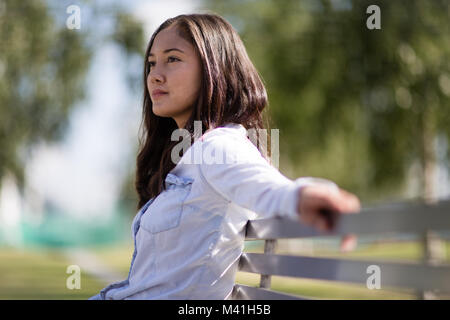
{"points": [[231, 92]]}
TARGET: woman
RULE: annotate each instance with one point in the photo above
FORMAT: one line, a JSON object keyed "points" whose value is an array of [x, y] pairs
{"points": [[189, 231]]}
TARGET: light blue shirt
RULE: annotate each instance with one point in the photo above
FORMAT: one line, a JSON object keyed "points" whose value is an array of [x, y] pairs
{"points": [[189, 238]]}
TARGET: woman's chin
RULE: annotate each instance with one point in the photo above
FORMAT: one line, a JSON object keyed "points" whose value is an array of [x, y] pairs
{"points": [[160, 113]]}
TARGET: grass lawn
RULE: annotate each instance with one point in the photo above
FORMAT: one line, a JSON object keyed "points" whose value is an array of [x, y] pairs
{"points": [[41, 274], [118, 257]]}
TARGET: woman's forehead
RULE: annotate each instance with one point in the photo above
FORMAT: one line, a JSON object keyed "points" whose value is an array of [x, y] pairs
{"points": [[168, 39]]}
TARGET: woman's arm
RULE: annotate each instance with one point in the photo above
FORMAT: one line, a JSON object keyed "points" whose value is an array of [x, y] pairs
{"points": [[247, 179], [243, 176]]}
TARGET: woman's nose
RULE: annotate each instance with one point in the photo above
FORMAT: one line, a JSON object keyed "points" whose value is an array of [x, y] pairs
{"points": [[156, 76]]}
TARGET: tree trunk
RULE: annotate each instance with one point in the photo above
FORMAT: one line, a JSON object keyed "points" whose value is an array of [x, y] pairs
{"points": [[433, 247], [428, 158]]}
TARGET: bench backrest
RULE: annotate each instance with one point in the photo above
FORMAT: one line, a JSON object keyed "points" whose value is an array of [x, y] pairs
{"points": [[400, 218]]}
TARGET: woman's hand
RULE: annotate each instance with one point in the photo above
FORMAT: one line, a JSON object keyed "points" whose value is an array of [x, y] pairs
{"points": [[319, 206]]}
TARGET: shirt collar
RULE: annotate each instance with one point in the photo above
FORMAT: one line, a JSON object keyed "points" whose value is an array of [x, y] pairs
{"points": [[237, 126]]}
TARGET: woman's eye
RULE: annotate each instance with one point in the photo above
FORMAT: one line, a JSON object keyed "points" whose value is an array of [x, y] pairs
{"points": [[173, 59], [169, 59]]}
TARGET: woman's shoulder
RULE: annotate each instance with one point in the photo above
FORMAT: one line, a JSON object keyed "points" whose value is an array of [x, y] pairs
{"points": [[230, 136], [232, 143], [232, 130]]}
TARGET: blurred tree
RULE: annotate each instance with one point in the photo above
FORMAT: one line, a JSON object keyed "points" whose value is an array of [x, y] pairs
{"points": [[129, 34], [354, 105], [43, 66]]}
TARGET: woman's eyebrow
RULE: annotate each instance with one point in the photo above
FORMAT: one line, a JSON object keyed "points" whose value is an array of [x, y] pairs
{"points": [[168, 50]]}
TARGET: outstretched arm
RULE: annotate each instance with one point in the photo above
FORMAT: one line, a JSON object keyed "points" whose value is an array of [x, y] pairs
{"points": [[247, 179], [244, 177]]}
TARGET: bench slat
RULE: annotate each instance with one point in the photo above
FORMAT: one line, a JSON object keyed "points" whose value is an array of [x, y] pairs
{"points": [[243, 292], [408, 275], [383, 219]]}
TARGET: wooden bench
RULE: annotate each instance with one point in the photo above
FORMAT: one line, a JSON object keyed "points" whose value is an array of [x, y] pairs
{"points": [[429, 275]]}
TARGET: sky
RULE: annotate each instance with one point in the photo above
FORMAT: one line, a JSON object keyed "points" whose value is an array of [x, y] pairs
{"points": [[82, 175]]}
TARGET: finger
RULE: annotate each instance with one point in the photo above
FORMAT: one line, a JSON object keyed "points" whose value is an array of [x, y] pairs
{"points": [[327, 205], [322, 199], [348, 243], [306, 217], [342, 202], [320, 208], [350, 202], [330, 217], [316, 211], [322, 225], [315, 220]]}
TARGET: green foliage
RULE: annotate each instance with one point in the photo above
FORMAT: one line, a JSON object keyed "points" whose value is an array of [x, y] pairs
{"points": [[43, 67], [129, 34], [354, 105], [42, 72]]}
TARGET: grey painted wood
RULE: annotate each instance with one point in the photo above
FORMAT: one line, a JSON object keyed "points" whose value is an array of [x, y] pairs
{"points": [[243, 292], [388, 219], [417, 218], [408, 275], [269, 247]]}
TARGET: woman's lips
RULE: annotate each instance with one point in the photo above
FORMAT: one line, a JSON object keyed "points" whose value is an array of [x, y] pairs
{"points": [[158, 95]]}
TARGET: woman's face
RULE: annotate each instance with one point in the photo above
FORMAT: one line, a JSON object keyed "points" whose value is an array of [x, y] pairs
{"points": [[175, 68]]}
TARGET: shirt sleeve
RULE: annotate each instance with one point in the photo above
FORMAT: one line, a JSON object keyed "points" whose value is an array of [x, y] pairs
{"points": [[236, 170]]}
